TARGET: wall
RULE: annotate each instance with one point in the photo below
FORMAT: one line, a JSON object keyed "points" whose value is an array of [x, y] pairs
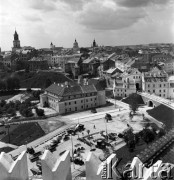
{"points": [[54, 168]]}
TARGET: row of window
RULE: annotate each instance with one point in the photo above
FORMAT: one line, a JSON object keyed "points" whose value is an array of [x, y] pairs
{"points": [[156, 91], [121, 90], [75, 102], [87, 106], [160, 85]]}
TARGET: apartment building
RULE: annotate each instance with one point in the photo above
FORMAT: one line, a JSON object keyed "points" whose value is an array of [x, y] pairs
{"points": [[65, 98], [156, 82]]}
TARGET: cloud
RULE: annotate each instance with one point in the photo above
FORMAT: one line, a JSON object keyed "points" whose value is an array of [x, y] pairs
{"points": [[140, 3], [44, 5], [32, 18], [107, 15]]}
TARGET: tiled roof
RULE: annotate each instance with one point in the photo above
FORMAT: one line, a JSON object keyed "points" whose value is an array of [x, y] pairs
{"points": [[62, 90], [55, 89], [88, 88], [72, 90]]}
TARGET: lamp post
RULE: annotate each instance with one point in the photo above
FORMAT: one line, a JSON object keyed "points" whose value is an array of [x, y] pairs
{"points": [[72, 152]]}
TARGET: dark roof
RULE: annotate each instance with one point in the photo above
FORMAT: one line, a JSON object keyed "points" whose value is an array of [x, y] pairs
{"points": [[88, 88], [72, 90], [55, 89], [63, 90]]}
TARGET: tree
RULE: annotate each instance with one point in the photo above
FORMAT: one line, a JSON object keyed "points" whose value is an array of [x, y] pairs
{"points": [[39, 112], [148, 135], [134, 106], [2, 103], [2, 85], [11, 111]]}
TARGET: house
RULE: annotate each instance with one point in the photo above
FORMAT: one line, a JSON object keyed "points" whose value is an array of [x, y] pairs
{"points": [[90, 66], [127, 82], [38, 63], [156, 82], [169, 66], [65, 98]]}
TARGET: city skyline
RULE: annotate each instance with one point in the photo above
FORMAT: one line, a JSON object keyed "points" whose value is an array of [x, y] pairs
{"points": [[110, 22]]}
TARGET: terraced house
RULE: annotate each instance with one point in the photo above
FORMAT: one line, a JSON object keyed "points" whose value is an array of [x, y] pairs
{"points": [[65, 98]]}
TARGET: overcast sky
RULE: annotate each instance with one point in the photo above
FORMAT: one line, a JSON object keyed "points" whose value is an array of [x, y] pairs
{"points": [[110, 22]]}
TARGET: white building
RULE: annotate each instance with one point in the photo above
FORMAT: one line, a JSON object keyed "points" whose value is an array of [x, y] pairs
{"points": [[156, 82], [128, 82], [65, 98]]}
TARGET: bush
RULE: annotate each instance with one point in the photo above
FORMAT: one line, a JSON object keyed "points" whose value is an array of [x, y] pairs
{"points": [[40, 112], [11, 111], [25, 111]]}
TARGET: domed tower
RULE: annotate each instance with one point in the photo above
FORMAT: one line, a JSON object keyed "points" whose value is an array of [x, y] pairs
{"points": [[75, 45], [16, 42], [51, 46]]}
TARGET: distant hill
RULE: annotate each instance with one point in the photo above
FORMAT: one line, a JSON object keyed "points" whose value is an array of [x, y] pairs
{"points": [[42, 79], [164, 114]]}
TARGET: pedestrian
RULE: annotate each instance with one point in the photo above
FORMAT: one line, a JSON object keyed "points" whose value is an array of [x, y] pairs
{"points": [[94, 126]]}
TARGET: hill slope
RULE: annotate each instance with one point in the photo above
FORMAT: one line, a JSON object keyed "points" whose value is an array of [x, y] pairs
{"points": [[38, 80]]}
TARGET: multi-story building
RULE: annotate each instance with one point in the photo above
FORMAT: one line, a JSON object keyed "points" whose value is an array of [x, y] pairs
{"points": [[38, 63], [171, 87], [169, 65], [127, 83], [64, 98], [60, 61], [156, 82]]}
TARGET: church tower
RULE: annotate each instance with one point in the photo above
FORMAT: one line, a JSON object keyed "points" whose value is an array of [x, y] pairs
{"points": [[16, 42], [75, 46]]}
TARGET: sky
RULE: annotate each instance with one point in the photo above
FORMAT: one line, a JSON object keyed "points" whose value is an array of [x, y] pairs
{"points": [[110, 22]]}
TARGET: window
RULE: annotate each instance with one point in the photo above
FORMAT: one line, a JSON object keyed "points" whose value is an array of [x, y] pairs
{"points": [[164, 90], [160, 95], [154, 91], [153, 85], [69, 103], [75, 108], [74, 102], [159, 90], [95, 99], [159, 85], [148, 85], [87, 106], [125, 90], [86, 100], [82, 107], [164, 85], [91, 99], [70, 109], [65, 104]]}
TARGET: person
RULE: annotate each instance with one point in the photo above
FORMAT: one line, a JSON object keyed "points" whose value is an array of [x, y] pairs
{"points": [[94, 126]]}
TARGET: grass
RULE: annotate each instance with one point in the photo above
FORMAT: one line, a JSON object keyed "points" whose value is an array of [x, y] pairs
{"points": [[163, 114], [37, 80], [24, 133], [49, 126]]}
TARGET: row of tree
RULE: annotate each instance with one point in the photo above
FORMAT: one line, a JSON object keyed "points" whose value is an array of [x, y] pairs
{"points": [[25, 108], [9, 84]]}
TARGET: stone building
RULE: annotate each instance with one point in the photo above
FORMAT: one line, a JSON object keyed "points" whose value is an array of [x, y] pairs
{"points": [[38, 63], [65, 98]]}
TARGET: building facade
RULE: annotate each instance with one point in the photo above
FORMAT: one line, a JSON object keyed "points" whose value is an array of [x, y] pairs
{"points": [[156, 82], [127, 83], [64, 98]]}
